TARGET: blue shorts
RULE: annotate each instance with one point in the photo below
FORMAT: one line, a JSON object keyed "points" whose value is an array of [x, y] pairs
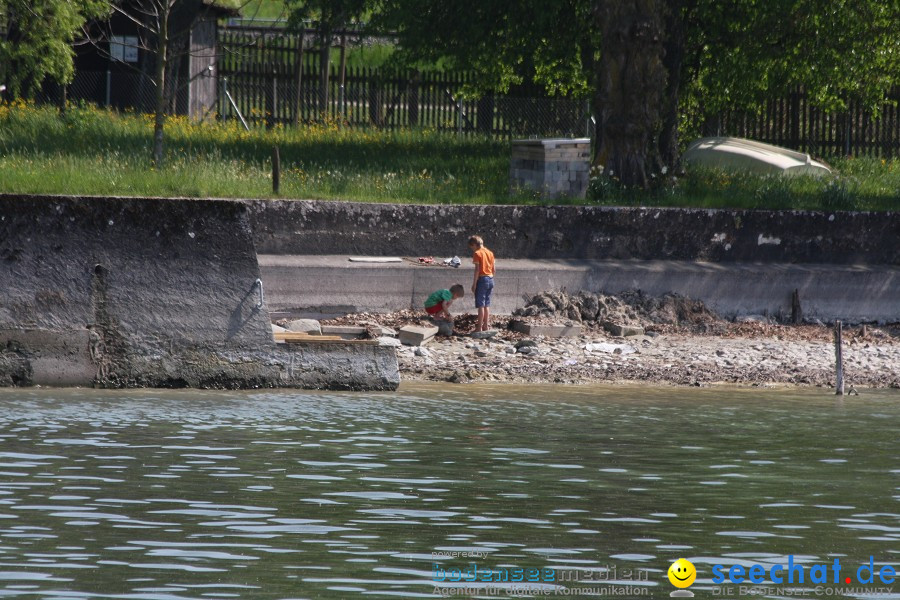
{"points": [[483, 290]]}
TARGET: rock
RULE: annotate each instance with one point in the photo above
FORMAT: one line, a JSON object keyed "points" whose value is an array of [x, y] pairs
{"points": [[416, 336], [482, 335], [445, 328], [382, 331], [456, 377], [304, 326], [621, 330], [419, 351], [510, 350], [389, 341], [480, 353], [527, 350], [524, 343], [277, 328]]}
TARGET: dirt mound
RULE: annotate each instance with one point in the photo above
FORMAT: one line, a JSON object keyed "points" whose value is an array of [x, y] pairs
{"points": [[628, 308]]}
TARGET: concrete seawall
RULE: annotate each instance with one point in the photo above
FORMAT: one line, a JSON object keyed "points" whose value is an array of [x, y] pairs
{"points": [[324, 286], [150, 292], [583, 232]]}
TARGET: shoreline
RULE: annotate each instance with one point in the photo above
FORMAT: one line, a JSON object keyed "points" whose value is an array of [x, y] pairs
{"points": [[749, 354]]}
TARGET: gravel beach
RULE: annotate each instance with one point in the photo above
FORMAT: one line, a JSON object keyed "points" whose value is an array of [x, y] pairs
{"points": [[683, 343]]}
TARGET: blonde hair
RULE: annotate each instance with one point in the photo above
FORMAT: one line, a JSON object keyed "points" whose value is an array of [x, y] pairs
{"points": [[459, 290], [476, 239]]}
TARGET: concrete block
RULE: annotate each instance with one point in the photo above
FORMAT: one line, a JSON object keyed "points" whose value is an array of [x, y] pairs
{"points": [[346, 332], [551, 331], [622, 330], [416, 336], [48, 357]]}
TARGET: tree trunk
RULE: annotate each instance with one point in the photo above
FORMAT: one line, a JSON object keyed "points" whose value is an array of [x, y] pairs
{"points": [[159, 121], [673, 61], [631, 81]]}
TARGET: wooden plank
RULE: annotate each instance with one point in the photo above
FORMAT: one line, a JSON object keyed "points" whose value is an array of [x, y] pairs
{"points": [[337, 342], [299, 335]]}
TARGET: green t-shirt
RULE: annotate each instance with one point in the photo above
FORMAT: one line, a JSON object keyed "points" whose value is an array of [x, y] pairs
{"points": [[438, 297]]}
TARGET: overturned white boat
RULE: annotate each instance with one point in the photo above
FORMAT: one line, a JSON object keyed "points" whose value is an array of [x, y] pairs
{"points": [[736, 154]]}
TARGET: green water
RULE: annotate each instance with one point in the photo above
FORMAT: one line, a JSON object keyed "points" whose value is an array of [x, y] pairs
{"points": [[173, 495]]}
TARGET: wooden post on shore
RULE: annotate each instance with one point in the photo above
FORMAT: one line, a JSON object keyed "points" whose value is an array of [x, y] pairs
{"points": [[838, 358], [796, 309], [276, 171]]}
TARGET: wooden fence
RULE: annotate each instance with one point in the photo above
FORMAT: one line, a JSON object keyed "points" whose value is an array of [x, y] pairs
{"points": [[272, 81], [795, 123]]}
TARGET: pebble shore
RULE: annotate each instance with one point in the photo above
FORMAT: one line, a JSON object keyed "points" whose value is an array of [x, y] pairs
{"points": [[678, 359]]}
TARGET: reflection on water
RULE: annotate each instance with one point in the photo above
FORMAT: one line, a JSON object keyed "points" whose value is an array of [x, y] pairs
{"points": [[172, 495]]}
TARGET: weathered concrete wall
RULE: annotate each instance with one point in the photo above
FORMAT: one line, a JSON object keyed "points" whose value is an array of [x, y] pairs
{"points": [[329, 285], [149, 292], [314, 227]]}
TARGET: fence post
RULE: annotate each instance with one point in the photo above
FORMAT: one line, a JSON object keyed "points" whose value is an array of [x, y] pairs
{"points": [[223, 99], [298, 80], [412, 99], [108, 87], [847, 131], [375, 108], [271, 101], [276, 171], [459, 110]]}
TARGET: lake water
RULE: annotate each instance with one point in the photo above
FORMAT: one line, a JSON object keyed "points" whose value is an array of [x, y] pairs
{"points": [[189, 494]]}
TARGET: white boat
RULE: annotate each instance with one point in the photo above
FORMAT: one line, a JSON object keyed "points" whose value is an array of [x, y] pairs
{"points": [[736, 154]]}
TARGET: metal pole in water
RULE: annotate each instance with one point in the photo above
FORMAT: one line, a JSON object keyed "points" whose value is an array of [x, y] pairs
{"points": [[838, 358]]}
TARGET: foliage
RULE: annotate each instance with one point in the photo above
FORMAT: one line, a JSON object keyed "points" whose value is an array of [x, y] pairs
{"points": [[745, 51], [38, 38], [507, 43], [91, 151]]}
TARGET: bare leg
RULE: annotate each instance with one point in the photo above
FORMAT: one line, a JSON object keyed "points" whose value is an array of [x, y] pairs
{"points": [[485, 319], [480, 322]]}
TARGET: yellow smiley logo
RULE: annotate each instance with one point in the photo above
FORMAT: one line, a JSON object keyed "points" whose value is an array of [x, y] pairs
{"points": [[682, 573]]}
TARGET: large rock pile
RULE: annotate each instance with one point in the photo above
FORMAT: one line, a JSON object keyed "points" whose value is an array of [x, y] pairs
{"points": [[633, 308]]}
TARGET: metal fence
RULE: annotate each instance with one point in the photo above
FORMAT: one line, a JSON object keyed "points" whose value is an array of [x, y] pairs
{"points": [[131, 91]]}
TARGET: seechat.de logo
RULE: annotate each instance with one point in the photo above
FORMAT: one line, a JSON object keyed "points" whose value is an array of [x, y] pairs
{"points": [[682, 574]]}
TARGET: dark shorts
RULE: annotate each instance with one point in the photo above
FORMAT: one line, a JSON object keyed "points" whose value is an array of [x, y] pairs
{"points": [[483, 290]]}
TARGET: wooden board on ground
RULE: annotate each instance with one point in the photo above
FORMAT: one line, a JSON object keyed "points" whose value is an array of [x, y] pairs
{"points": [[291, 337]]}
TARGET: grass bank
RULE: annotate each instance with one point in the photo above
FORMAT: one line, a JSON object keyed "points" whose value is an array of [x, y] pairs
{"points": [[93, 151]]}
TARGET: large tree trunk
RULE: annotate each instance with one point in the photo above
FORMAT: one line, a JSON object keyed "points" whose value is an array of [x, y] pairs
{"points": [[159, 121], [673, 61], [631, 82]]}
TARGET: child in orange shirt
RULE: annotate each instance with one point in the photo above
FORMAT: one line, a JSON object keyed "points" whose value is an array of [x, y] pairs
{"points": [[483, 284]]}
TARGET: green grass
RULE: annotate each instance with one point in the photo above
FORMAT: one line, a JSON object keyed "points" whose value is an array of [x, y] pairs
{"points": [[93, 151], [263, 9], [856, 184]]}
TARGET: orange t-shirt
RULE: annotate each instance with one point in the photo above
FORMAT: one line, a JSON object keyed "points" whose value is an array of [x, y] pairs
{"points": [[484, 258]]}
